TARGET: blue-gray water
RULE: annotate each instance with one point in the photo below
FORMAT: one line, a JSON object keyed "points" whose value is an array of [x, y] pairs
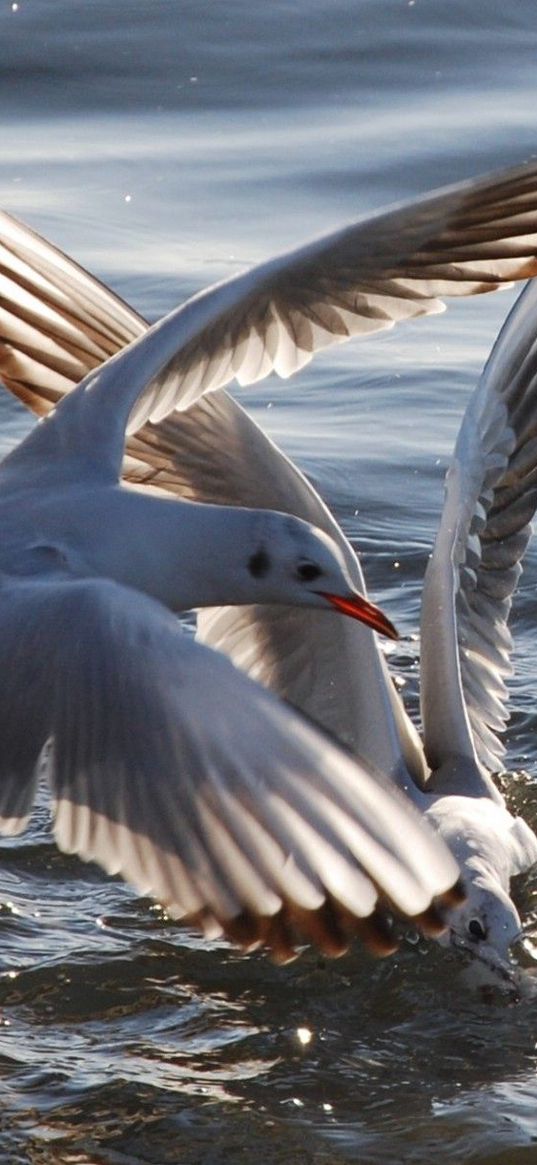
{"points": [[165, 143]]}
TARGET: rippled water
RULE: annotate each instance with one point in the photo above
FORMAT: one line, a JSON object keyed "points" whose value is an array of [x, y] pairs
{"points": [[164, 144]]}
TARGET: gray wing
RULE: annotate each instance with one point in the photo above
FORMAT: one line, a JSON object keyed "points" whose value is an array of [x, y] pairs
{"points": [[335, 676], [56, 321], [491, 494], [463, 240], [171, 767]]}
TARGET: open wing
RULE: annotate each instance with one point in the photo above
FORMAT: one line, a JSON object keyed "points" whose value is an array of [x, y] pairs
{"points": [[463, 240], [491, 495], [171, 767], [56, 321]]}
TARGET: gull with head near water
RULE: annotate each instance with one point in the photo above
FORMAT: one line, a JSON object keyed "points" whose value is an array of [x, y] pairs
{"points": [[491, 496], [57, 323]]}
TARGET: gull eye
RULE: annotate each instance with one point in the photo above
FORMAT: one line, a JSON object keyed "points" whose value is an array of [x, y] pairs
{"points": [[308, 571], [476, 930]]}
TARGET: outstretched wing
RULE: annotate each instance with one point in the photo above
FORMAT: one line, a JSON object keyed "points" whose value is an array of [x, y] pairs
{"points": [[491, 495], [171, 767], [56, 321], [461, 241]]}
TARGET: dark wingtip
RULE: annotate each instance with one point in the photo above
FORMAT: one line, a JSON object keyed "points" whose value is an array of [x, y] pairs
{"points": [[434, 920], [455, 896], [431, 922], [332, 927], [378, 934]]}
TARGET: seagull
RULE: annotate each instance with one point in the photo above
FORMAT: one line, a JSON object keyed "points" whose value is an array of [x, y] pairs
{"points": [[167, 764], [189, 438], [491, 496]]}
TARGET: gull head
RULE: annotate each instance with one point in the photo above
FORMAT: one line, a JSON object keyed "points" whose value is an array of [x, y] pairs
{"points": [[292, 562], [486, 841], [486, 927], [183, 554]]}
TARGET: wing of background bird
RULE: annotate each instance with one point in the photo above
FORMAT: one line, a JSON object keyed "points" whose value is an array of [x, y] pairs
{"points": [[491, 495], [466, 239], [336, 677], [56, 321], [169, 766]]}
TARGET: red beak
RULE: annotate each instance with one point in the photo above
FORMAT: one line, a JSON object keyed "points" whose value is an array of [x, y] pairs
{"points": [[359, 608]]}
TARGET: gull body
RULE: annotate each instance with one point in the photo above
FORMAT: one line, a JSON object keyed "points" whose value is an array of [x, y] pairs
{"points": [[466, 643], [491, 847], [189, 437]]}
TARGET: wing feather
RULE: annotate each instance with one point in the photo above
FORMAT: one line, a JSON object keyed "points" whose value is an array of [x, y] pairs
{"points": [[171, 767], [485, 528], [469, 238]]}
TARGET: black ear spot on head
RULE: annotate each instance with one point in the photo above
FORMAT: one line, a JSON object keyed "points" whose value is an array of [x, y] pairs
{"points": [[259, 563]]}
